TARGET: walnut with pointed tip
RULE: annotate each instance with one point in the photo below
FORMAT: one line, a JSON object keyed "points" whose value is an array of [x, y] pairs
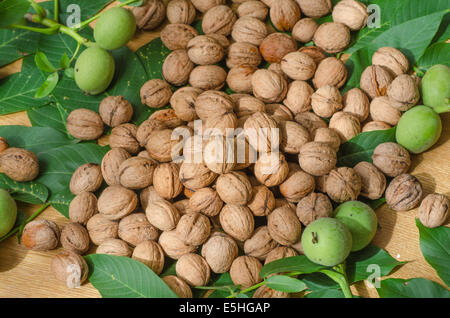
{"points": [[343, 184], [245, 271], [87, 177], [135, 229], [75, 238], [151, 254], [70, 268], [373, 181], [332, 37], [40, 235], [404, 193], [433, 211]]}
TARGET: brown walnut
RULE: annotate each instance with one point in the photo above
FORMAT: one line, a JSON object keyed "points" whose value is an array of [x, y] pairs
{"points": [[193, 269], [83, 207], [19, 164], [254, 9], [177, 36], [375, 80], [267, 292], [262, 202], [404, 193], [310, 121], [155, 93], [194, 228], [205, 50], [357, 103], [237, 221], [284, 226], [242, 53], [135, 229], [326, 101], [391, 158], [206, 201], [114, 247], [84, 124], [304, 30], [373, 181], [343, 184], [151, 15], [276, 45], [181, 11], [151, 254], [317, 158], [312, 207], [177, 67], [298, 66], [403, 92], [315, 8], [245, 271], [332, 37], [351, 13], [115, 110], [239, 78], [260, 243], [433, 211], [3, 145], [219, 251], [75, 238], [124, 136], [162, 215], [136, 173], [262, 133], [294, 136], [375, 125], [328, 136], [297, 185], [115, 202], [317, 54], [166, 180], [330, 71], [381, 109], [178, 286], [271, 169], [183, 103], [100, 228], [87, 177], [234, 188], [347, 125], [249, 30], [161, 147], [218, 19], [298, 98], [284, 14], [173, 246], [208, 77], [269, 86], [392, 59], [279, 253], [111, 163], [40, 235], [70, 268], [196, 175]]}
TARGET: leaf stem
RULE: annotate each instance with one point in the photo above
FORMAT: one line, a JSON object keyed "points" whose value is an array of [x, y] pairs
{"points": [[48, 31], [339, 276], [39, 10], [75, 53], [56, 10]]}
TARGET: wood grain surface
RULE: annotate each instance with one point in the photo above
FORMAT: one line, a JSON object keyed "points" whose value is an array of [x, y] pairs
{"points": [[26, 273]]}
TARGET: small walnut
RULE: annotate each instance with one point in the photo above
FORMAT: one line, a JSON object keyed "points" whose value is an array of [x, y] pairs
{"points": [[173, 246], [269, 86], [40, 235], [124, 136], [284, 14], [254, 9], [317, 54], [237, 221], [166, 180], [115, 110], [347, 125], [315, 8], [83, 207], [328, 136], [19, 164], [183, 103], [111, 163], [357, 103], [284, 226], [245, 271], [69, 268], [151, 15], [75, 238], [249, 30], [330, 71], [262, 202], [332, 37], [392, 59], [219, 155], [208, 77], [87, 177], [213, 103], [234, 188], [219, 19], [260, 243], [304, 30], [177, 67], [294, 136], [100, 228], [351, 13], [343, 184], [262, 132], [193, 269], [298, 98], [297, 185], [151, 254], [136, 173], [196, 175], [373, 181], [375, 80], [219, 251], [181, 11], [178, 286], [317, 158], [239, 78], [115, 202], [84, 124], [375, 125], [3, 145], [114, 247], [403, 92], [404, 193], [241, 53], [194, 228], [326, 101], [314, 206], [391, 158], [279, 112], [162, 145], [276, 45], [433, 211], [205, 50], [310, 121], [135, 229], [205, 5], [271, 169], [155, 93], [381, 109], [279, 253], [177, 36], [162, 215]]}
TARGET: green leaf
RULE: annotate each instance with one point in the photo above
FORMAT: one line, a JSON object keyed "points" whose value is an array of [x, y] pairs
{"points": [[11, 11], [298, 263], [15, 44], [152, 56], [48, 86], [61, 201], [326, 293], [374, 204], [435, 247], [356, 65], [124, 277], [43, 63], [438, 53], [222, 281], [51, 115], [411, 288], [69, 72], [65, 61], [285, 284], [361, 147], [29, 192]]}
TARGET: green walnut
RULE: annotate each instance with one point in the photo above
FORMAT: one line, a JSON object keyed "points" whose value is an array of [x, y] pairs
{"points": [[114, 28], [419, 129], [326, 241], [360, 219], [94, 70], [436, 88], [8, 212]]}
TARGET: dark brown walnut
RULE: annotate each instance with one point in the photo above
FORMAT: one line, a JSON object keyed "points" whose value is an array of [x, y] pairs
{"points": [[403, 92], [375, 80], [247, 105], [183, 103], [181, 11], [151, 15], [245, 271], [284, 14], [177, 67], [111, 163], [297, 185], [373, 181], [115, 110], [124, 136], [343, 184], [381, 109], [269, 86], [219, 251], [330, 71], [279, 112], [208, 77], [166, 180], [392, 59], [162, 215], [351, 13], [312, 207], [218, 19], [151, 254], [163, 146], [193, 269], [249, 30], [317, 54], [87, 177], [83, 207], [375, 125], [391, 158], [332, 37], [3, 145], [262, 133], [404, 193], [115, 202], [100, 229], [40, 235], [155, 93], [135, 229], [19, 164], [205, 50], [178, 286], [315, 8], [260, 243], [70, 269], [271, 169], [173, 246], [276, 45], [254, 9], [326, 101], [284, 226], [357, 103], [196, 175], [114, 247], [241, 53], [237, 221], [219, 155], [239, 78], [279, 253], [206, 201], [310, 121], [136, 173], [298, 98], [433, 211], [75, 238], [304, 30], [84, 124], [267, 292], [293, 137], [177, 36], [213, 103], [317, 158], [194, 228], [347, 125], [234, 188], [262, 202], [298, 66], [328, 136]]}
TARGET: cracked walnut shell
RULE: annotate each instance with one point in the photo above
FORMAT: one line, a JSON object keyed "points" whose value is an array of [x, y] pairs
{"points": [[375, 80], [392, 59]]}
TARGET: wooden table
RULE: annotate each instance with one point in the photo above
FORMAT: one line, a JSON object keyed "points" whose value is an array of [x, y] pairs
{"points": [[26, 273]]}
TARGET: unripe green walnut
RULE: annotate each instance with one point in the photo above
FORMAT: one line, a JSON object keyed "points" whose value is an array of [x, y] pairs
{"points": [[94, 70], [435, 88], [8, 212], [114, 28]]}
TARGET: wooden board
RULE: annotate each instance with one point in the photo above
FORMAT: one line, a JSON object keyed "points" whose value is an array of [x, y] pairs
{"points": [[26, 273]]}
